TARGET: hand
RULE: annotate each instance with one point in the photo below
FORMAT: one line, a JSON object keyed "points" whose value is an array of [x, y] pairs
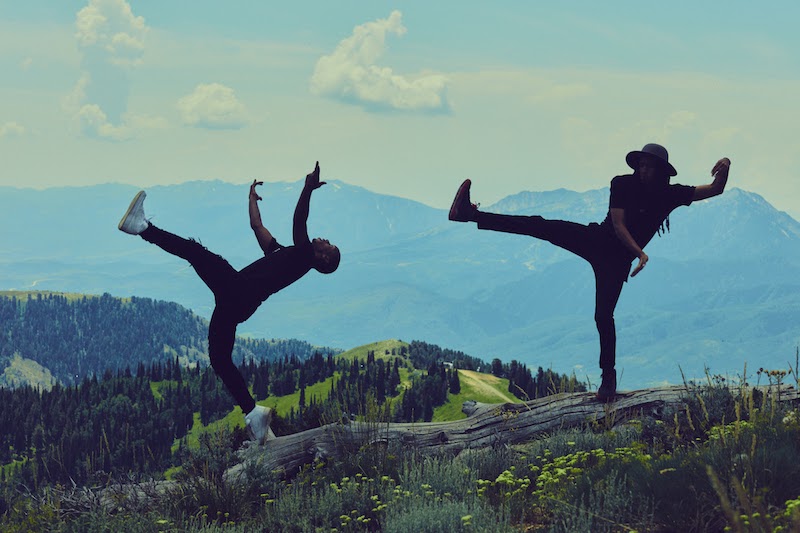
{"points": [[312, 180], [642, 262], [723, 165], [253, 193]]}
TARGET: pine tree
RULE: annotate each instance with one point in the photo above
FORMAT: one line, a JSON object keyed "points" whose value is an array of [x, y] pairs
{"points": [[497, 367], [455, 382]]}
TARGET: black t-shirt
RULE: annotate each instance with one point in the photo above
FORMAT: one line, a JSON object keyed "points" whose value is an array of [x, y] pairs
{"points": [[646, 207], [277, 269]]}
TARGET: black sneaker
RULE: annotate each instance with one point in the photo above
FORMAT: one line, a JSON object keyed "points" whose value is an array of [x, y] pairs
{"points": [[462, 210], [608, 386]]}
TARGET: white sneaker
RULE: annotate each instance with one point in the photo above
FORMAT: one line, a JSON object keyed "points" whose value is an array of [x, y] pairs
{"points": [[133, 222], [258, 421]]}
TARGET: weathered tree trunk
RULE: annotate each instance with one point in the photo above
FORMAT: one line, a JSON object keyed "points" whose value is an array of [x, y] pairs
{"points": [[486, 425]]}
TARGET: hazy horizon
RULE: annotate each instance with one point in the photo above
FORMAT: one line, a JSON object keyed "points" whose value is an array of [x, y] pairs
{"points": [[406, 100]]}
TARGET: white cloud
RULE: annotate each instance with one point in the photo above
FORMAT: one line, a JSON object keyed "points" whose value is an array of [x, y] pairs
{"points": [[350, 73], [11, 129], [73, 101], [214, 106], [111, 40], [110, 29], [94, 123], [26, 63]]}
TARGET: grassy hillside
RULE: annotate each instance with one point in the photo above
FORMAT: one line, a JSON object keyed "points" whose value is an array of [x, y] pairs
{"points": [[383, 350], [25, 371], [484, 388], [22, 295], [478, 386]]}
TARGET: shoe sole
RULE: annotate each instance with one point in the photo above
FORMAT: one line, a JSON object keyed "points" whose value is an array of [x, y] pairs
{"points": [[135, 200], [463, 189]]}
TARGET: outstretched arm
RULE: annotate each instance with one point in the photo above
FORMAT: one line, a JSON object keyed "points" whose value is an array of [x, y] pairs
{"points": [[263, 236], [720, 173], [618, 219], [300, 229]]}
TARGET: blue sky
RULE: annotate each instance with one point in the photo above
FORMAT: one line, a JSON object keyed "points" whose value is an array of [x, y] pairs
{"points": [[403, 98]]}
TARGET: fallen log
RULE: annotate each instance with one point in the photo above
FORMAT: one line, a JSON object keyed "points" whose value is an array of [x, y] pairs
{"points": [[486, 425]]}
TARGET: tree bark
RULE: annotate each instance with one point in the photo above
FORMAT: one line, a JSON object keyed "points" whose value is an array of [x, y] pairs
{"points": [[486, 425]]}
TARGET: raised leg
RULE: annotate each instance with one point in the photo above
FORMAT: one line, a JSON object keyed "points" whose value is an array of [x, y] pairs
{"points": [[571, 236], [215, 271]]}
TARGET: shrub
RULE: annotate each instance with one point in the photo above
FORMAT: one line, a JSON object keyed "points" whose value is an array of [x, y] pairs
{"points": [[438, 516]]}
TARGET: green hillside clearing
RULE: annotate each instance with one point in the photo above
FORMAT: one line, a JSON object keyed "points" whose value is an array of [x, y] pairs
{"points": [[26, 371], [70, 296], [382, 349], [484, 388]]}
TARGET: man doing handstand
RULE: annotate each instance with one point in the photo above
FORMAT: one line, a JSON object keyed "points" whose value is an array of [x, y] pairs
{"points": [[238, 294], [639, 205]]}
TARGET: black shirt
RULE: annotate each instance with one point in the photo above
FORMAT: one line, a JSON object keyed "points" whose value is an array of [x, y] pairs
{"points": [[277, 269], [646, 207]]}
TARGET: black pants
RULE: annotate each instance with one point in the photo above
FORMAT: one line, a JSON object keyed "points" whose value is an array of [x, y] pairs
{"points": [[590, 242], [233, 306]]}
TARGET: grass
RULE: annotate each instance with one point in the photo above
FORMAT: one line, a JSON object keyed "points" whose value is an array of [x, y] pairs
{"points": [[477, 386], [26, 371], [70, 296], [380, 348], [231, 421], [156, 387], [484, 388], [283, 404], [726, 459]]}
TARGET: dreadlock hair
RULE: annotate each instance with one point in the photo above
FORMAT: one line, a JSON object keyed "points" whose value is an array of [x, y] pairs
{"points": [[664, 223], [664, 227]]}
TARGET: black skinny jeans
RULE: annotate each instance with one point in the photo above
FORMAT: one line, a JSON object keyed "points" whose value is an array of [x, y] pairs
{"points": [[590, 242], [233, 306]]}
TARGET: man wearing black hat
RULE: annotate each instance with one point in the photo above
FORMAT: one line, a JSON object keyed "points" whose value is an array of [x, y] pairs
{"points": [[639, 207]]}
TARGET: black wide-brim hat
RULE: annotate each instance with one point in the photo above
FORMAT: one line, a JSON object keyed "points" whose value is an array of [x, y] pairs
{"points": [[652, 149]]}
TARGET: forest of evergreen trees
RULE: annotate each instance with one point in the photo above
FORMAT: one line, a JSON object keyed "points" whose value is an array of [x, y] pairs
{"points": [[85, 336], [128, 421], [119, 419]]}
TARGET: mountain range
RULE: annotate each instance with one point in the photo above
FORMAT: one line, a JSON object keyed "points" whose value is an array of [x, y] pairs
{"points": [[720, 290]]}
